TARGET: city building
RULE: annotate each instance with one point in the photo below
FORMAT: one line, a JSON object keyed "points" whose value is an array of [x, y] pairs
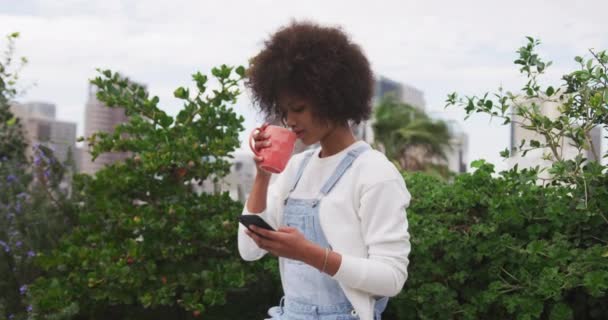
{"points": [[459, 148], [538, 157], [41, 127], [99, 118], [383, 87], [238, 182]]}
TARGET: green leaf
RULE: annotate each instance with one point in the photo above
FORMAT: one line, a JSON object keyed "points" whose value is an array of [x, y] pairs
{"points": [[181, 93], [166, 121], [596, 282], [534, 144], [505, 153], [240, 71], [11, 122], [550, 91], [561, 311], [477, 163]]}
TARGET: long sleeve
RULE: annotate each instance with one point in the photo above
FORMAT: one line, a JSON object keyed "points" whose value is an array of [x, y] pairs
{"points": [[385, 232], [248, 249]]}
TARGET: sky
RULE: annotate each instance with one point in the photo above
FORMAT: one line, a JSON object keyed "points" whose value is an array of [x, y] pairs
{"points": [[438, 47]]}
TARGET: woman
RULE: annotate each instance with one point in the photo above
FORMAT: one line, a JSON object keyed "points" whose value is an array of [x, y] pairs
{"points": [[338, 210]]}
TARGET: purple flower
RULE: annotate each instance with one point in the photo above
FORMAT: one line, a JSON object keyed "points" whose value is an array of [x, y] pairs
{"points": [[18, 244], [31, 253], [47, 173], [6, 247], [18, 207], [22, 195], [11, 178], [11, 316], [23, 289], [29, 308], [4, 158]]}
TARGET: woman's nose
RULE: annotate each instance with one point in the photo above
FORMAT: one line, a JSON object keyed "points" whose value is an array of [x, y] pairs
{"points": [[289, 120]]}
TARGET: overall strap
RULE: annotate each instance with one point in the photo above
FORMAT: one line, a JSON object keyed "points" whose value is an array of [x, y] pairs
{"points": [[307, 157], [346, 162]]}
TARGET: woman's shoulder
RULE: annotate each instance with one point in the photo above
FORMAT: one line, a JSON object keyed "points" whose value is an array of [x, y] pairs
{"points": [[372, 167]]}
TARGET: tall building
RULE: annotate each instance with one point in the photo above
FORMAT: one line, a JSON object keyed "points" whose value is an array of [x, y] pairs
{"points": [[41, 127], [402, 92], [100, 118], [457, 153], [383, 87], [36, 109], [537, 157], [459, 148], [238, 182]]}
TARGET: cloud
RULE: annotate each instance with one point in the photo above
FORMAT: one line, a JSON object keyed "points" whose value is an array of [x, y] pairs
{"points": [[465, 46]]}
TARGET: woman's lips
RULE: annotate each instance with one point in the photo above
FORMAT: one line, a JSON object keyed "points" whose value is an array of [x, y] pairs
{"points": [[299, 133]]}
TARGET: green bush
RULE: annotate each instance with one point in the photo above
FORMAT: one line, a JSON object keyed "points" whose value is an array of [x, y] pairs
{"points": [[487, 245], [514, 245], [504, 247], [145, 242], [34, 210]]}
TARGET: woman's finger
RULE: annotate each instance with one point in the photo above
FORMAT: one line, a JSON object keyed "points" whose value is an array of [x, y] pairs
{"points": [[262, 144], [253, 236], [260, 136]]}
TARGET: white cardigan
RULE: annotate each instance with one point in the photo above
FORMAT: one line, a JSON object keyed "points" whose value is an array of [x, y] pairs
{"points": [[363, 218]]}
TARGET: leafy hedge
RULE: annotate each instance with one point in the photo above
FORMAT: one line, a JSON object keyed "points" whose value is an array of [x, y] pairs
{"points": [[504, 247]]}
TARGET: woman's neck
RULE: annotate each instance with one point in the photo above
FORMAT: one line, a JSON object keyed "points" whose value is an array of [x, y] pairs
{"points": [[336, 140]]}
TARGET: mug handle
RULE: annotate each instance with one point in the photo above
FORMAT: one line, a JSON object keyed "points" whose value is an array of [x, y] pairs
{"points": [[251, 146]]}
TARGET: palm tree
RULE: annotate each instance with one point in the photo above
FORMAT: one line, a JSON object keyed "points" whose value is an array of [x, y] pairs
{"points": [[410, 137]]}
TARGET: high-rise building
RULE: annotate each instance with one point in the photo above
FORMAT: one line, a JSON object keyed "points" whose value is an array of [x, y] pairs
{"points": [[456, 154], [100, 118], [41, 127], [238, 182], [537, 157], [402, 92], [383, 87]]}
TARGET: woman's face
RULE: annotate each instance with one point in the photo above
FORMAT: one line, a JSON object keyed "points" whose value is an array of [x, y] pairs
{"points": [[298, 115]]}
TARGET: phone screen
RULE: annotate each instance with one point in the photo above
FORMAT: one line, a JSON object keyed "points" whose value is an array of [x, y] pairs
{"points": [[252, 219]]}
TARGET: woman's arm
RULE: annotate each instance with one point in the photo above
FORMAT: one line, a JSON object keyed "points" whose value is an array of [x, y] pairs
{"points": [[264, 200], [385, 233], [256, 204]]}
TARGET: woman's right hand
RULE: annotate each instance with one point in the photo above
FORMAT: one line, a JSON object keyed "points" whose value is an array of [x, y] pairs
{"points": [[261, 141]]}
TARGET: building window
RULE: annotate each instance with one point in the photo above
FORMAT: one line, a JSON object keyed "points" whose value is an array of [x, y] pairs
{"points": [[44, 132]]}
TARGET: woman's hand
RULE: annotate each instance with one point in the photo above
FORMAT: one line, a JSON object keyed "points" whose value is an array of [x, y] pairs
{"points": [[286, 242], [261, 141]]}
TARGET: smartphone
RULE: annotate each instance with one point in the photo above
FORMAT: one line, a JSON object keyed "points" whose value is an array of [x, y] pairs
{"points": [[256, 220]]}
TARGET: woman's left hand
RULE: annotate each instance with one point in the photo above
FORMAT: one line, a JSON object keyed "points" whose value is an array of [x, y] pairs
{"points": [[286, 242]]}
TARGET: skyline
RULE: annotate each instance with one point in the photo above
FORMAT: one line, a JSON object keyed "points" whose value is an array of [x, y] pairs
{"points": [[436, 47]]}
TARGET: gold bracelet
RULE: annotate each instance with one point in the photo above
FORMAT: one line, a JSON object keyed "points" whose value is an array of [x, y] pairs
{"points": [[325, 261]]}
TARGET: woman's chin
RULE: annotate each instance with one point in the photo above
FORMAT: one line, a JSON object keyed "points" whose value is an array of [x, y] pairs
{"points": [[306, 142]]}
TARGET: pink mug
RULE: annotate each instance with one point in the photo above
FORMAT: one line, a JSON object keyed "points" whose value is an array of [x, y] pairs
{"points": [[282, 142]]}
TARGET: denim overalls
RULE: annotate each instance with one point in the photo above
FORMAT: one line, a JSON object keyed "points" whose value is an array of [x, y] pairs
{"points": [[310, 294]]}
